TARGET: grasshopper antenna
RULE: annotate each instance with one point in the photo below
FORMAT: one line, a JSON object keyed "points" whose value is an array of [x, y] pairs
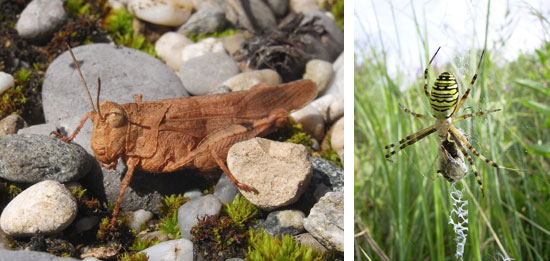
{"points": [[97, 97], [86, 85]]}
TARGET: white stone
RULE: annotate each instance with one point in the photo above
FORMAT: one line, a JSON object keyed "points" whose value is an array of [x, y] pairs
{"points": [[320, 72], [311, 120], [6, 82], [169, 47], [326, 221], [40, 19], [337, 138], [246, 80], [173, 250], [139, 218], [336, 85], [330, 106], [279, 171], [162, 12], [46, 206], [299, 6], [207, 45]]}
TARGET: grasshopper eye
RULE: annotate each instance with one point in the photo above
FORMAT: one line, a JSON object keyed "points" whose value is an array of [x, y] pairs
{"points": [[116, 118]]}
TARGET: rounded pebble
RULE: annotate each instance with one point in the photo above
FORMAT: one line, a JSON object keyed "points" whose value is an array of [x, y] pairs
{"points": [[311, 120], [202, 74], [298, 6], [31, 158], [40, 19], [190, 212], [279, 7], [11, 124], [285, 222], [320, 72], [263, 16], [279, 171], [246, 80], [207, 45], [139, 218], [168, 46], [204, 20], [173, 250], [194, 193], [161, 12], [6, 82], [225, 189], [326, 221], [47, 207], [330, 106], [31, 255]]}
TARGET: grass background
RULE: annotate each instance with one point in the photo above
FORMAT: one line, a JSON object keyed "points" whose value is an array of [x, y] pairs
{"points": [[402, 207]]}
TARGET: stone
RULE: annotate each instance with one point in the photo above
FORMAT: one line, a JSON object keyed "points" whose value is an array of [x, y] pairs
{"points": [[279, 7], [336, 85], [47, 207], [169, 47], [285, 222], [31, 255], [320, 72], [161, 12], [205, 46], [86, 223], [308, 240], [327, 169], [246, 80], [279, 171], [225, 190], [40, 19], [330, 106], [11, 124], [31, 158], [233, 43], [5, 241], [190, 212], [204, 20], [139, 218], [194, 193], [123, 71], [202, 74], [311, 120], [325, 221], [40, 129], [263, 16], [336, 137], [173, 250], [6, 82], [154, 235], [334, 31], [299, 6]]}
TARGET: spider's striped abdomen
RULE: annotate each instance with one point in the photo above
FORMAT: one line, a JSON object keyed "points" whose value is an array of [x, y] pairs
{"points": [[444, 96]]}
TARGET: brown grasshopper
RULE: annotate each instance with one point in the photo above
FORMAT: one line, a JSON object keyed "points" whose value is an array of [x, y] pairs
{"points": [[191, 132]]}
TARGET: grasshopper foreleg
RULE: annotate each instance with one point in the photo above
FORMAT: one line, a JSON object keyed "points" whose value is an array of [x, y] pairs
{"points": [[76, 131]]}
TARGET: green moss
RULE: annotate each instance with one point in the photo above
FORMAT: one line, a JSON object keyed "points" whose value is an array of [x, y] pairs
{"points": [[171, 203], [22, 76], [170, 226], [219, 237], [262, 246], [119, 25], [133, 257], [227, 32], [14, 190], [292, 133], [141, 244], [241, 210], [78, 192], [77, 8]]}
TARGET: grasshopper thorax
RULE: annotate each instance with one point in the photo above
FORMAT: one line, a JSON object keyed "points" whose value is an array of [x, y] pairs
{"points": [[444, 96]]}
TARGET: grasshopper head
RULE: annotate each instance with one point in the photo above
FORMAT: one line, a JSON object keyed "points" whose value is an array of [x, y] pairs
{"points": [[109, 133]]}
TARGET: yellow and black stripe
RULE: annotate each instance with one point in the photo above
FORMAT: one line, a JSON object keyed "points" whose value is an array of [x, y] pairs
{"points": [[444, 95]]}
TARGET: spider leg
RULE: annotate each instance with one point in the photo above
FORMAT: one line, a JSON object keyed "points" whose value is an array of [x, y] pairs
{"points": [[412, 139], [469, 88], [466, 116], [418, 115], [463, 140], [469, 158], [426, 74]]}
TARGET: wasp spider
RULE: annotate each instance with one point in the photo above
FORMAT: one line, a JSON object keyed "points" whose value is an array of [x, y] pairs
{"points": [[445, 103]]}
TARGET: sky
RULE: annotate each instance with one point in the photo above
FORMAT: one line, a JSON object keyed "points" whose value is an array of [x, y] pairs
{"points": [[458, 26]]}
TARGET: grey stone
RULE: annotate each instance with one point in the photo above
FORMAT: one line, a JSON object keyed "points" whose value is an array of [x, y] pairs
{"points": [[285, 222], [31, 158], [331, 44], [264, 19], [202, 74], [190, 212], [279, 7], [86, 223], [194, 193], [40, 129], [123, 71], [225, 189], [173, 250], [334, 173], [11, 124], [325, 221], [47, 207], [204, 20], [31, 255], [308, 240], [40, 19], [139, 218]]}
